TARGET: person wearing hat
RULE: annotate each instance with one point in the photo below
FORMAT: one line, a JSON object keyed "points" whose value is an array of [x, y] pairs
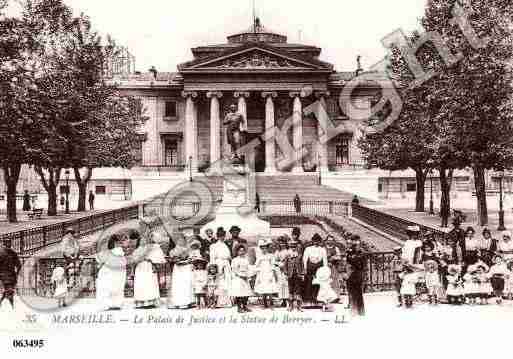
{"points": [[397, 267], [357, 261], [505, 247], [487, 246], [471, 286], [146, 283], [236, 239], [454, 285], [180, 293], [432, 280], [294, 272], [411, 251], [204, 244], [220, 254], [112, 274], [314, 257], [498, 273], [334, 257], [70, 246], [457, 242], [408, 284], [281, 254], [241, 288], [199, 280], [266, 282], [10, 267]]}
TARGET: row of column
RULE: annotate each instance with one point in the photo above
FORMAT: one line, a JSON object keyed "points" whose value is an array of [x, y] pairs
{"points": [[191, 127]]}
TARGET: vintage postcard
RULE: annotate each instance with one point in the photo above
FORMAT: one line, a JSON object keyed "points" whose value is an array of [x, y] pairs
{"points": [[256, 177]]}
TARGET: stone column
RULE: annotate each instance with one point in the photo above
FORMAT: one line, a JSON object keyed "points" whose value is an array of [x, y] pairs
{"points": [[191, 129], [242, 107], [297, 128], [322, 130], [270, 146], [215, 128]]}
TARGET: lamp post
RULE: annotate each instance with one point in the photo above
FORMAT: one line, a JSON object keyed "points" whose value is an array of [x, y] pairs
{"points": [[431, 203], [67, 190], [190, 169], [501, 204]]}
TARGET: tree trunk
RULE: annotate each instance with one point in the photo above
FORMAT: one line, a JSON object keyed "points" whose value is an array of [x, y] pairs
{"points": [[480, 186], [82, 187], [445, 199], [52, 199], [50, 186], [11, 177], [420, 177]]}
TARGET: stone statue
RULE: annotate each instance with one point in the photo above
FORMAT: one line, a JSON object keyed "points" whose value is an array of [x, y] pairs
{"points": [[233, 121]]}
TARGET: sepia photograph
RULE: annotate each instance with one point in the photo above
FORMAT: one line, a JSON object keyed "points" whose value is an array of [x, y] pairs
{"points": [[196, 178]]}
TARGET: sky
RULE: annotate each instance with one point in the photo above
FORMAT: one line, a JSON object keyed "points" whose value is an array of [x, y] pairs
{"points": [[161, 33]]}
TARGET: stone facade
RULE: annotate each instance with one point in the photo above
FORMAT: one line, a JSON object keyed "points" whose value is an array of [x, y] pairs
{"points": [[270, 81]]}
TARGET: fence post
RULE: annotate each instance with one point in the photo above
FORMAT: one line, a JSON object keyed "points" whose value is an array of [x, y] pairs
{"points": [[330, 207], [22, 242]]}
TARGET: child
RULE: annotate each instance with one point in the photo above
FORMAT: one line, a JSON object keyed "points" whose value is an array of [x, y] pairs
{"points": [[266, 278], [61, 287], [199, 282], [497, 275], [241, 290], [294, 272], [454, 285], [281, 255], [326, 294], [485, 288], [471, 284], [408, 285], [397, 267], [433, 282], [508, 287], [195, 251], [212, 286]]}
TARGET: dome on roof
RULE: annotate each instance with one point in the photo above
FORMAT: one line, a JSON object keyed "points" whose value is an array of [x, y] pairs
{"points": [[257, 33]]}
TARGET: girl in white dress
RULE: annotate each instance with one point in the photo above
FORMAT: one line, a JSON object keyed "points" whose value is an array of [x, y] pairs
{"points": [[281, 256], [110, 284], [220, 255], [408, 285], [61, 287], [326, 294], [266, 278], [454, 287], [471, 284], [146, 282], [241, 289]]}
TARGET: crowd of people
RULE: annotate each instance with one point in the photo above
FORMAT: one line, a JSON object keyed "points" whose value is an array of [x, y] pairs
{"points": [[458, 268], [220, 270]]}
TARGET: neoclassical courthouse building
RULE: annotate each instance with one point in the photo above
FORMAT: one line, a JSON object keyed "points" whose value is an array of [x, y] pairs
{"points": [[268, 79]]}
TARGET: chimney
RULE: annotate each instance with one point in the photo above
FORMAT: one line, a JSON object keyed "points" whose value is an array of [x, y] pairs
{"points": [[154, 71]]}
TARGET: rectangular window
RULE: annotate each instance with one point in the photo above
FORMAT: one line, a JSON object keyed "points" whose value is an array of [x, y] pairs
{"points": [[63, 189], [100, 190], [411, 187], [170, 109], [380, 187], [342, 152]]}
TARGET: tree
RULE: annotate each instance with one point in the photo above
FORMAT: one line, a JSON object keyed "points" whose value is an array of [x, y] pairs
{"points": [[104, 125], [477, 89], [23, 121]]}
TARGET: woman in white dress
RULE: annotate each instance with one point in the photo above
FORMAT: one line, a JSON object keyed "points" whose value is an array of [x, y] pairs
{"points": [[181, 291], [110, 283], [146, 282], [220, 255]]}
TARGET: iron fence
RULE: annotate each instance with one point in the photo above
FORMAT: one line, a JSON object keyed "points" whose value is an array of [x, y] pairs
{"points": [[35, 278], [31, 240], [395, 226]]}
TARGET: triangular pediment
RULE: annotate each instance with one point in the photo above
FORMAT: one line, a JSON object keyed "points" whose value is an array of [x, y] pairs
{"points": [[255, 58]]}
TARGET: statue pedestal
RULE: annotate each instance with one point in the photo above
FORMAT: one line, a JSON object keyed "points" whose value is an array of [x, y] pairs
{"points": [[236, 208]]}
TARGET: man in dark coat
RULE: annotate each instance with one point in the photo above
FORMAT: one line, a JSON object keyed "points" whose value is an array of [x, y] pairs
{"points": [[26, 201], [457, 242], [297, 203], [91, 201], [357, 260], [10, 267], [205, 244]]}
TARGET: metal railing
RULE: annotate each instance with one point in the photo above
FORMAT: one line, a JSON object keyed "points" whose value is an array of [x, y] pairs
{"points": [[35, 278], [31, 240], [283, 207], [390, 224]]}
